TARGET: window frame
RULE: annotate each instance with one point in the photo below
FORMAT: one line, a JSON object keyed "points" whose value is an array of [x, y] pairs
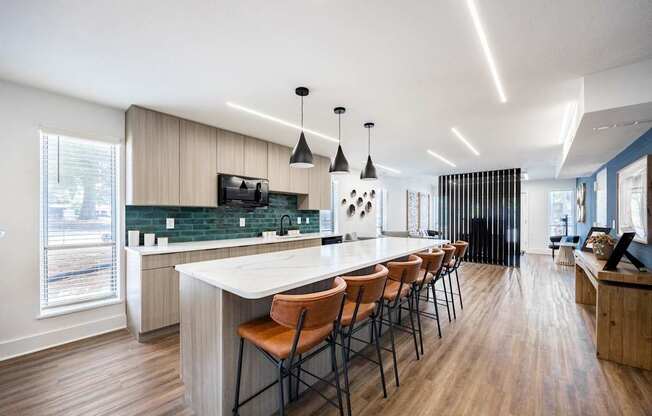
{"points": [[572, 221], [88, 302]]}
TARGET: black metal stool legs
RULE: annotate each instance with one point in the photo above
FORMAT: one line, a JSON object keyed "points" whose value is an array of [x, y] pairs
{"points": [[459, 289], [237, 379]]}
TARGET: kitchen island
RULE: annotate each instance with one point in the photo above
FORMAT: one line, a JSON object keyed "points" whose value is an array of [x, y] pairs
{"points": [[217, 296]]}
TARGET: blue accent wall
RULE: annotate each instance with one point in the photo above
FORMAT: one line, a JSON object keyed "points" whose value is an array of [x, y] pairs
{"points": [[641, 147], [200, 224]]}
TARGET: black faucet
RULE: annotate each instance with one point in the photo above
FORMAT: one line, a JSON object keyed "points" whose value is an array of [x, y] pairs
{"points": [[283, 232]]}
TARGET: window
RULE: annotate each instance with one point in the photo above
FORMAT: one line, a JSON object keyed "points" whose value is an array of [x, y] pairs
{"points": [[78, 221], [601, 198], [560, 214]]}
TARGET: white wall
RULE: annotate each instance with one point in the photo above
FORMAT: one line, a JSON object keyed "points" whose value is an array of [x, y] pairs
{"points": [[395, 211], [364, 227], [538, 206], [396, 188], [23, 111]]}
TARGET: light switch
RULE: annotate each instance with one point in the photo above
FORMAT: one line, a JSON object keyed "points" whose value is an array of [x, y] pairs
{"points": [[298, 220], [242, 222], [169, 223]]}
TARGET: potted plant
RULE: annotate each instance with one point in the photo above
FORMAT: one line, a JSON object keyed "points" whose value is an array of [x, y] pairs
{"points": [[603, 245]]}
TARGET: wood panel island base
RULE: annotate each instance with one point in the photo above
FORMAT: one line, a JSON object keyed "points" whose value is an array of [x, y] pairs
{"points": [[217, 296], [623, 300]]}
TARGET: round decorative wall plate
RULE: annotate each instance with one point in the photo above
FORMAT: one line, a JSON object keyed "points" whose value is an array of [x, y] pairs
{"points": [[368, 206], [350, 210], [343, 201], [373, 193], [353, 193], [364, 195], [359, 202], [361, 214]]}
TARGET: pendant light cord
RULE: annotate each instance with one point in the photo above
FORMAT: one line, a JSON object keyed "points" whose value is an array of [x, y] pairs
{"points": [[369, 141], [302, 113], [339, 129]]}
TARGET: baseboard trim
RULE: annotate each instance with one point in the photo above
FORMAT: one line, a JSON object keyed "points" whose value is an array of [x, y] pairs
{"points": [[33, 343]]}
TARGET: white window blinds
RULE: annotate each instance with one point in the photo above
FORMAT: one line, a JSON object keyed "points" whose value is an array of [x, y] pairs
{"points": [[78, 221]]}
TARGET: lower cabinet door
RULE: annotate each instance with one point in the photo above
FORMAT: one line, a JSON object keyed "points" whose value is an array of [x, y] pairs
{"points": [[160, 298]]}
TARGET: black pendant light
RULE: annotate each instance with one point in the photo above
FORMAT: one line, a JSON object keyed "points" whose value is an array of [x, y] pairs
{"points": [[340, 165], [301, 155], [369, 171]]}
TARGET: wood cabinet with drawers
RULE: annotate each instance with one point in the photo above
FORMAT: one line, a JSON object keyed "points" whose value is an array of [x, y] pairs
{"points": [[153, 283]]}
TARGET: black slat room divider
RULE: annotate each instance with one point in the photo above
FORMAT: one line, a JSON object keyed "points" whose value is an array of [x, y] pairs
{"points": [[483, 208]]}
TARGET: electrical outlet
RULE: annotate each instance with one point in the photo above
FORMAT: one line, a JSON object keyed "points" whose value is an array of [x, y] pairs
{"points": [[298, 220], [307, 220], [169, 223], [242, 222]]}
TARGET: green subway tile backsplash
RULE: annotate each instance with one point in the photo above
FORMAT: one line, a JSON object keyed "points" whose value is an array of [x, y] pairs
{"points": [[196, 224]]}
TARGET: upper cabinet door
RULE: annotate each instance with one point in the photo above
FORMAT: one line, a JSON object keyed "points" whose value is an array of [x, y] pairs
{"points": [[255, 158], [325, 186], [198, 164], [152, 158], [278, 167], [300, 180], [230, 153]]}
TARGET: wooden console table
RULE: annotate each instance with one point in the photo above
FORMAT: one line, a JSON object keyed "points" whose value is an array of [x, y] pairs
{"points": [[623, 300]]}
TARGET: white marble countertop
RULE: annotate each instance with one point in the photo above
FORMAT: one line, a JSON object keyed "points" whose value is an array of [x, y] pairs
{"points": [[213, 244], [261, 275]]}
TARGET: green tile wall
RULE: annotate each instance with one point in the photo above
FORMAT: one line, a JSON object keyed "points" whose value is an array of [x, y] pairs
{"points": [[196, 224]]}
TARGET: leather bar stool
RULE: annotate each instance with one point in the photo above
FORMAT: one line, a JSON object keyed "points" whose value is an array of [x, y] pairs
{"points": [[449, 252], [296, 325], [400, 291], [453, 265], [363, 295], [428, 275]]}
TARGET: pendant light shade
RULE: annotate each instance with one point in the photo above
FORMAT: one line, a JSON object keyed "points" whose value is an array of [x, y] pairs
{"points": [[301, 155], [340, 165], [369, 171]]}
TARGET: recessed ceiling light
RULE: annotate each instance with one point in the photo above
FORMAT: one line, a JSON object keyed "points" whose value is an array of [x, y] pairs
{"points": [[487, 51], [280, 121], [443, 159], [466, 142], [387, 168]]}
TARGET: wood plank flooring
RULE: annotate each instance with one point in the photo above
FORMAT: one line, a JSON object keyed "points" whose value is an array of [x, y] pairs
{"points": [[521, 346]]}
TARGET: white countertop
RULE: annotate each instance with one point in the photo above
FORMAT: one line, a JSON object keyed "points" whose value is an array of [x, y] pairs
{"points": [[261, 275], [213, 244]]}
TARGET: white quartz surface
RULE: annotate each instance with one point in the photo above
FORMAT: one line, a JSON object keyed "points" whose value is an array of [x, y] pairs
{"points": [[262, 275], [213, 244]]}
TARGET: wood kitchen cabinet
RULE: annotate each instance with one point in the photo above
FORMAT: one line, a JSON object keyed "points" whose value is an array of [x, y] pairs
{"points": [[278, 167], [198, 164], [255, 158], [300, 180], [319, 190], [153, 283], [152, 149], [230, 152]]}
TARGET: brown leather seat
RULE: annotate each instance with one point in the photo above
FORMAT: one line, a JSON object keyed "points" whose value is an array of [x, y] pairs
{"points": [[277, 339], [372, 286], [449, 251], [431, 264], [275, 333], [460, 249], [406, 271]]}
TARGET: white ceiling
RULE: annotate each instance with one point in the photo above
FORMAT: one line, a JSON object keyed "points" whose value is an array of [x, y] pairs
{"points": [[415, 68]]}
